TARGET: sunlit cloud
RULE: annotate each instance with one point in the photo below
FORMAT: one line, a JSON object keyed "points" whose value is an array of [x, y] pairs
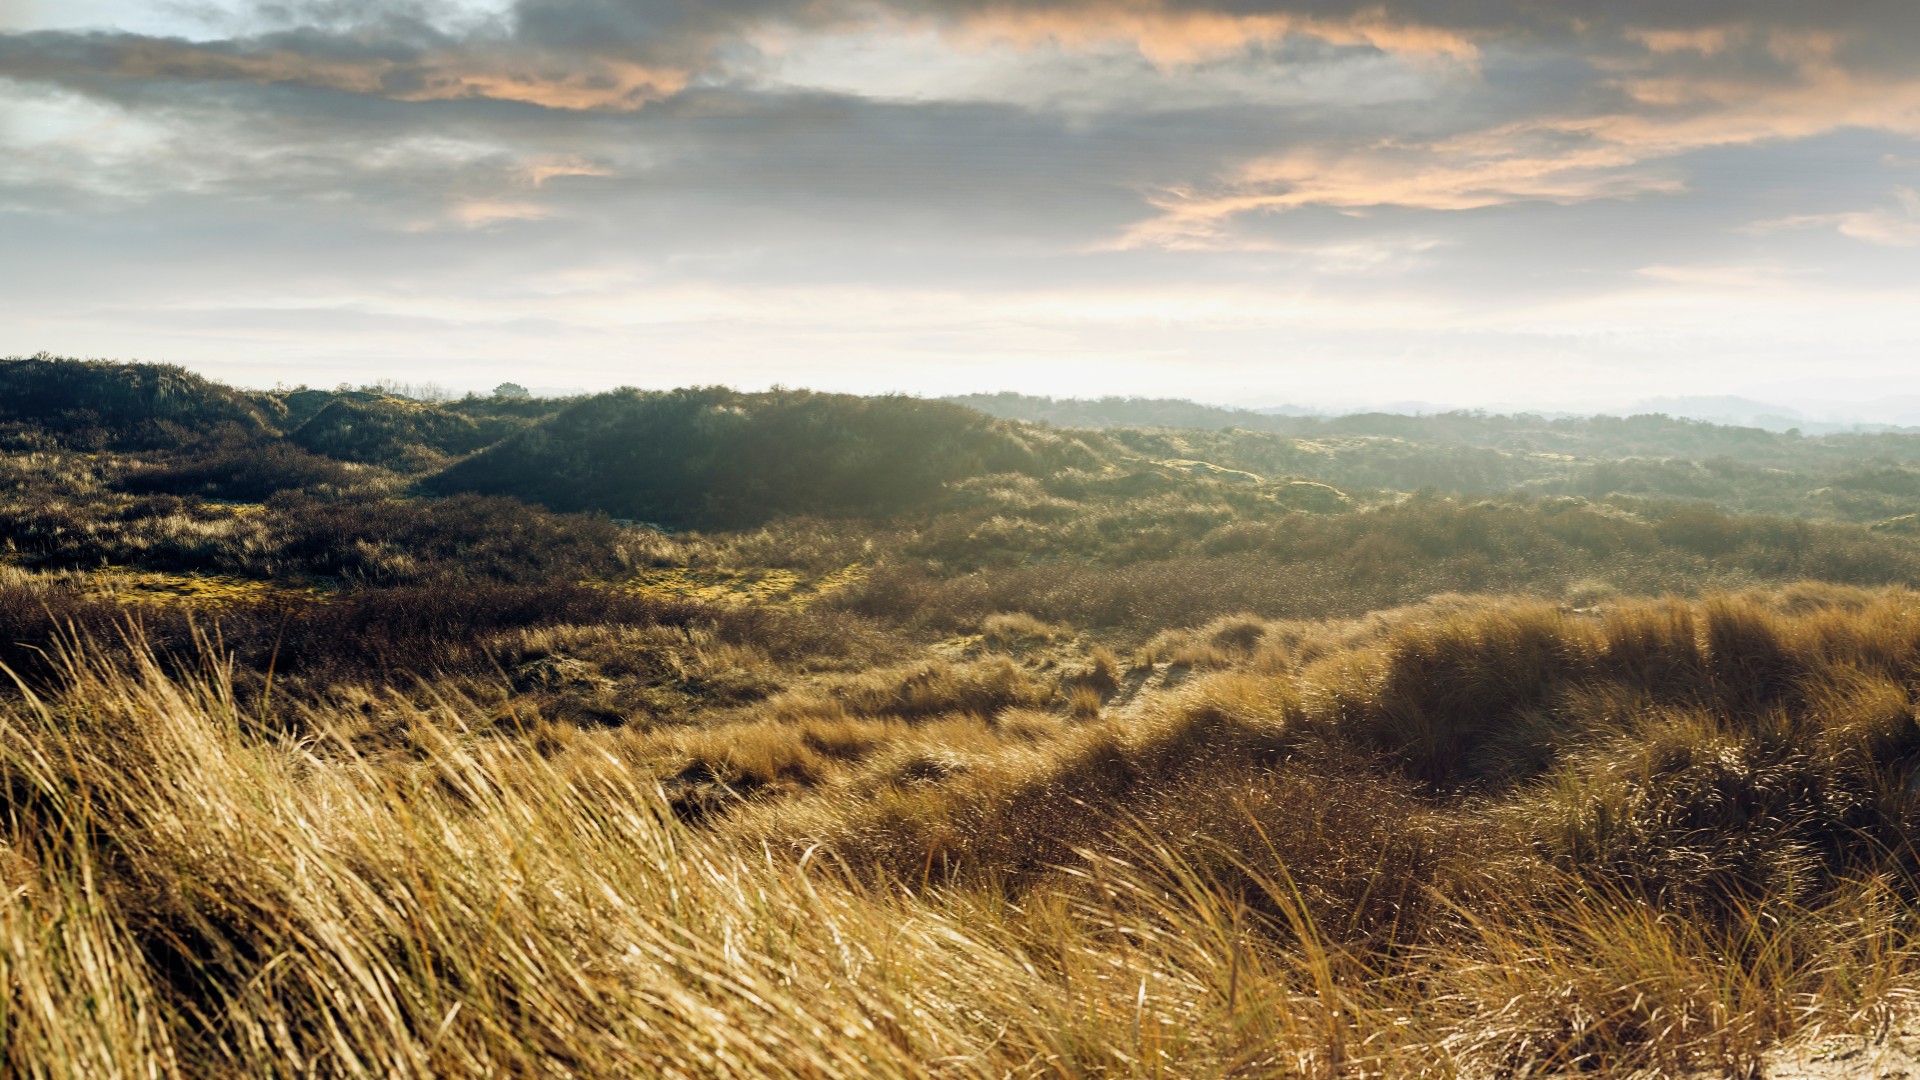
{"points": [[1742, 278], [547, 80], [1462, 174], [1565, 160], [537, 173], [480, 213], [1886, 227], [1175, 37], [1705, 40]]}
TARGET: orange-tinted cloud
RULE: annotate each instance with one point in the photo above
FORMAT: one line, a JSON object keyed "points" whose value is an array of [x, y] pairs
{"points": [[1887, 228], [570, 82], [1171, 37], [1466, 174], [1570, 159], [478, 213], [610, 79], [537, 173], [1706, 40]]}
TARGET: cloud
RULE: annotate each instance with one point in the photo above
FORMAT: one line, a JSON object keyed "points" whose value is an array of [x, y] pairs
{"points": [[1705, 40], [540, 171], [1741, 278], [622, 55], [1361, 158], [1733, 86], [1884, 227], [1460, 174], [1173, 37], [397, 72], [480, 213]]}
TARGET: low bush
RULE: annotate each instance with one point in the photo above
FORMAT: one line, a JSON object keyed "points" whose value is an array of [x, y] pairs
{"points": [[466, 537], [391, 635], [248, 472]]}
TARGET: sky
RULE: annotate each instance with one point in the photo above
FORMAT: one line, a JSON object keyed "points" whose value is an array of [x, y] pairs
{"points": [[1520, 203]]}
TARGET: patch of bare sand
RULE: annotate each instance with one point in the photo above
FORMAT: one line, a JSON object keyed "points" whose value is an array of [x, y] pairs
{"points": [[1836, 1057], [1844, 1057]]}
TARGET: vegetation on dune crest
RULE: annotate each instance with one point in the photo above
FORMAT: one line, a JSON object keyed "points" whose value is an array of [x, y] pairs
{"points": [[96, 404], [355, 734], [717, 457], [384, 431]]}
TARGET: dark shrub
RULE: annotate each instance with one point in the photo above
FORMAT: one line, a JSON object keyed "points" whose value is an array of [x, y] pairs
{"points": [[384, 635], [419, 630], [467, 537], [246, 473]]}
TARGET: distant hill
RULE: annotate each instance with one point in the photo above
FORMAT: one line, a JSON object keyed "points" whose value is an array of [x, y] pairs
{"points": [[1726, 409], [94, 404], [1643, 435], [1832, 418], [1119, 412], [713, 457]]}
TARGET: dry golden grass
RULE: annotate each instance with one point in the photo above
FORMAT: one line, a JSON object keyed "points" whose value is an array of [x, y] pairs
{"points": [[1472, 838], [1016, 629]]}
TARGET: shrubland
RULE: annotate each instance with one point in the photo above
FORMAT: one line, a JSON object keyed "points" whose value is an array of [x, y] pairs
{"points": [[946, 746]]}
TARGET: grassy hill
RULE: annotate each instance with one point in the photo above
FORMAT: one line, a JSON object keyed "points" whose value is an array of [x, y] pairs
{"points": [[79, 403], [717, 457], [1120, 412], [408, 435]]}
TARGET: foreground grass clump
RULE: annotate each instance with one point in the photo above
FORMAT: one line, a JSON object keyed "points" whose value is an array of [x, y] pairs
{"points": [[189, 901], [1474, 837]]}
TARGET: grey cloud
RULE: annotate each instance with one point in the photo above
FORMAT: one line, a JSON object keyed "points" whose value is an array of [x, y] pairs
{"points": [[391, 43], [1869, 32]]}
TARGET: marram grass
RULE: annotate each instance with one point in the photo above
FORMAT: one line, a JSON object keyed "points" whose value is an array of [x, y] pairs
{"points": [[188, 893]]}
